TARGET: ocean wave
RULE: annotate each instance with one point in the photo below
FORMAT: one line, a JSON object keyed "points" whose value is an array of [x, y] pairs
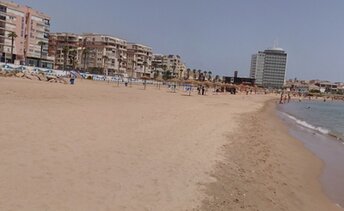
{"points": [[308, 125]]}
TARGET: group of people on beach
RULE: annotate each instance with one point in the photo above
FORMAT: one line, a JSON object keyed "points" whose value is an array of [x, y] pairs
{"points": [[285, 98], [201, 90]]}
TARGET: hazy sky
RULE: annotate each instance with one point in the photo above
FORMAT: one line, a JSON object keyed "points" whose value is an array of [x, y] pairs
{"points": [[217, 35]]}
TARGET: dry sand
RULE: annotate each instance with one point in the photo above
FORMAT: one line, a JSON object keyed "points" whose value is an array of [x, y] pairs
{"points": [[94, 146]]}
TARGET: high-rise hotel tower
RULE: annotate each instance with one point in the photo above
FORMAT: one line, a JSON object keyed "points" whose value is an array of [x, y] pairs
{"points": [[269, 67]]}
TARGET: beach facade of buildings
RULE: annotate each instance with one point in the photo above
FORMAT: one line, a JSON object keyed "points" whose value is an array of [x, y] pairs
{"points": [[314, 86], [103, 52], [26, 41], [97, 53], [173, 64], [29, 29], [64, 47], [109, 55], [33, 45], [139, 60], [269, 68]]}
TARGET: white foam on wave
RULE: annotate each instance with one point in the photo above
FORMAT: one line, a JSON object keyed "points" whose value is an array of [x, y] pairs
{"points": [[308, 125]]}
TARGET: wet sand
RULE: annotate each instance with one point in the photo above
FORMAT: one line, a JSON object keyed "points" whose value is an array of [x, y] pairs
{"points": [[94, 146], [266, 169], [330, 151]]}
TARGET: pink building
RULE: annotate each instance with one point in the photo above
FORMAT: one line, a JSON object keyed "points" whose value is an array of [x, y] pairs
{"points": [[32, 29]]}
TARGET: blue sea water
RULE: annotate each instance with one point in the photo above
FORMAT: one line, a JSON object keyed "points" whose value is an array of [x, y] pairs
{"points": [[324, 117], [320, 127]]}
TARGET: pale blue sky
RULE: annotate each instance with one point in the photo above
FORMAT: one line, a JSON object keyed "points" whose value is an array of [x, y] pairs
{"points": [[217, 35]]}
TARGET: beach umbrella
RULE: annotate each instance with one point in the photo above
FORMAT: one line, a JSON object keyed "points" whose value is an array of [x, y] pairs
{"points": [[207, 84], [187, 85], [159, 79], [175, 81], [196, 83], [218, 84], [118, 78], [187, 81], [145, 78]]}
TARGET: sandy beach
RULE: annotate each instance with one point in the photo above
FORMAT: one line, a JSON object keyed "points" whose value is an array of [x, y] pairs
{"points": [[95, 146]]}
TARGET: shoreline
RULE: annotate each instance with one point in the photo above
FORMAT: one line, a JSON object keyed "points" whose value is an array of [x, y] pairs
{"points": [[265, 168], [326, 147]]}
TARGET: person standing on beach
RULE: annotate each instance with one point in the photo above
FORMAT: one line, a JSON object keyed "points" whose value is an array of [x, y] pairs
{"points": [[72, 78], [281, 99], [285, 99], [289, 97]]}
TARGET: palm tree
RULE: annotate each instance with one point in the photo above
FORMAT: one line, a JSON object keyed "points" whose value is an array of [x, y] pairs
{"points": [[188, 73], [73, 57], [85, 53], [42, 44], [144, 67], [119, 64], [205, 73], [105, 59], [167, 75], [144, 73], [181, 73], [12, 35], [156, 74], [209, 75], [132, 72], [65, 52], [217, 77], [199, 74], [174, 71], [194, 74], [164, 67]]}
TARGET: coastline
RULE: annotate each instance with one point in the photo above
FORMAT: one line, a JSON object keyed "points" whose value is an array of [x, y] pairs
{"points": [[266, 169], [328, 148]]}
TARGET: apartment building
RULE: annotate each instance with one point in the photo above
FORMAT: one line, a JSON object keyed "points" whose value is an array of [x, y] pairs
{"points": [[269, 68], [172, 63], [139, 60], [65, 48], [103, 52], [32, 28]]}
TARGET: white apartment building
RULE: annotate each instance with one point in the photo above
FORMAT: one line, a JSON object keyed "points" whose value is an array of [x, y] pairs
{"points": [[139, 60], [269, 68], [103, 51], [172, 63]]}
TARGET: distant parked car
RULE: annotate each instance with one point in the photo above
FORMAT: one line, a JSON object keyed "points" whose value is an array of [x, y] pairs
{"points": [[20, 68], [36, 70], [49, 72], [7, 67]]}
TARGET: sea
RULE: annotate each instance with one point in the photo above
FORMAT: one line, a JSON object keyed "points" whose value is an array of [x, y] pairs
{"points": [[319, 126]]}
